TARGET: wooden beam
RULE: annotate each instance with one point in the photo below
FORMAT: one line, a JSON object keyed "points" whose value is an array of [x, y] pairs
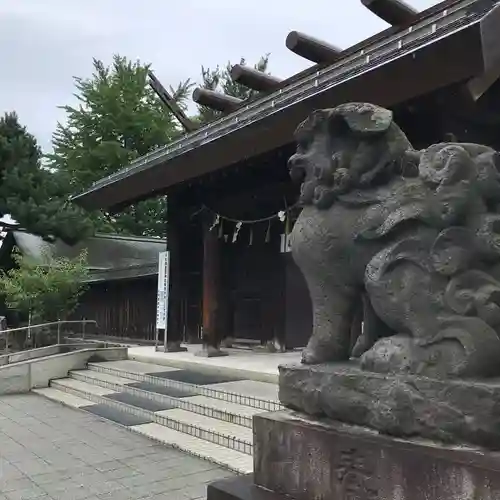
{"points": [[311, 48], [254, 79], [394, 12], [170, 103], [216, 100]]}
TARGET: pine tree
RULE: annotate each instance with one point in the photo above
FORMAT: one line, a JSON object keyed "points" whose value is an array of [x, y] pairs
{"points": [[31, 194], [219, 79], [119, 119]]}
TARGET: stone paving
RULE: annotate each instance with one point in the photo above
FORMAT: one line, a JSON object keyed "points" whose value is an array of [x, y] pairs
{"points": [[48, 451]]}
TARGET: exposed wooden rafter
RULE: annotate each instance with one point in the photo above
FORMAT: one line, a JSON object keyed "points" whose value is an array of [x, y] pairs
{"points": [[254, 79], [170, 103], [216, 100], [311, 48], [394, 12]]}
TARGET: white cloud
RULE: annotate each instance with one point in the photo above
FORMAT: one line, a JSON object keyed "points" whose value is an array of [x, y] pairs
{"points": [[47, 42]]}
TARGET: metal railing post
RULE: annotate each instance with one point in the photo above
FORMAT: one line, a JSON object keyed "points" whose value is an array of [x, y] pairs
{"points": [[59, 331], [83, 328]]}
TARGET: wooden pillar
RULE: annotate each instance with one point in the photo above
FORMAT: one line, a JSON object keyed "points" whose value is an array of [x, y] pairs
{"points": [[174, 332], [212, 292]]}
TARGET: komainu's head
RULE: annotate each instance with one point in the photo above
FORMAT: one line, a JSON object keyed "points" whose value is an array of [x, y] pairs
{"points": [[354, 145]]}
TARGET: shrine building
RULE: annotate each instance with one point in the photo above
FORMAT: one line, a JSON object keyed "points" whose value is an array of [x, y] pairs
{"points": [[231, 203]]}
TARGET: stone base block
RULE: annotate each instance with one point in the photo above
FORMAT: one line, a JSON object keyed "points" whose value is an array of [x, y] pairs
{"points": [[308, 459], [171, 347], [450, 411], [240, 488], [211, 352], [175, 347]]}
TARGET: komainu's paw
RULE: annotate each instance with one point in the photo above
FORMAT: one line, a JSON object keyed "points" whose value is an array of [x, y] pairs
{"points": [[315, 356], [363, 344]]}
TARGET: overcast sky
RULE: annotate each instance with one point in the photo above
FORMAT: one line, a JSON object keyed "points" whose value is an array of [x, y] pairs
{"points": [[45, 43]]}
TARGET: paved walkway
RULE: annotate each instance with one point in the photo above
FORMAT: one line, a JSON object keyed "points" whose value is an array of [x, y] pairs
{"points": [[48, 451]]}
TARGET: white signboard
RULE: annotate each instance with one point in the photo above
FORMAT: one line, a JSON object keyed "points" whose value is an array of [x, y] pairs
{"points": [[162, 296], [286, 243]]}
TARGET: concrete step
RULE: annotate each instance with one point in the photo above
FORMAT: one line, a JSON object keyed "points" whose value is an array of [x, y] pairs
{"points": [[260, 395], [258, 390], [236, 461], [128, 365], [208, 414], [81, 386], [201, 405], [113, 379], [223, 456], [229, 435], [62, 397]]}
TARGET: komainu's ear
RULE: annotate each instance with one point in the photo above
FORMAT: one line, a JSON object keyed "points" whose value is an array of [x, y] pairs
{"points": [[319, 116], [364, 118], [318, 120]]}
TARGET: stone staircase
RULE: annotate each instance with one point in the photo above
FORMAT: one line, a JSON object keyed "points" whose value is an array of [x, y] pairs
{"points": [[206, 414]]}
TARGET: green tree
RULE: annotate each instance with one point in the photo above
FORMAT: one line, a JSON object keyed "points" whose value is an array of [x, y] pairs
{"points": [[49, 291], [35, 197], [119, 118], [219, 79]]}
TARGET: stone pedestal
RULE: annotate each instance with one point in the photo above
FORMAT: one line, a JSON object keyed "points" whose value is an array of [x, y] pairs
{"points": [[307, 459], [450, 411], [359, 441]]}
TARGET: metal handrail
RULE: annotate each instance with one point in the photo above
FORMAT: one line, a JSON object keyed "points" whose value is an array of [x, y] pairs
{"points": [[83, 322], [434, 26]]}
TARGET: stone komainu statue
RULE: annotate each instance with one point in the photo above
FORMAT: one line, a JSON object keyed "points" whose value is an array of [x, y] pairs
{"points": [[415, 235]]}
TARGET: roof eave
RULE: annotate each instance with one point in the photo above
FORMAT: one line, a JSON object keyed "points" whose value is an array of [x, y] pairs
{"points": [[416, 72]]}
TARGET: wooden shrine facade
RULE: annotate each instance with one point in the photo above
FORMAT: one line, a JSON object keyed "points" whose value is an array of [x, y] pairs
{"points": [[230, 197], [234, 277]]}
